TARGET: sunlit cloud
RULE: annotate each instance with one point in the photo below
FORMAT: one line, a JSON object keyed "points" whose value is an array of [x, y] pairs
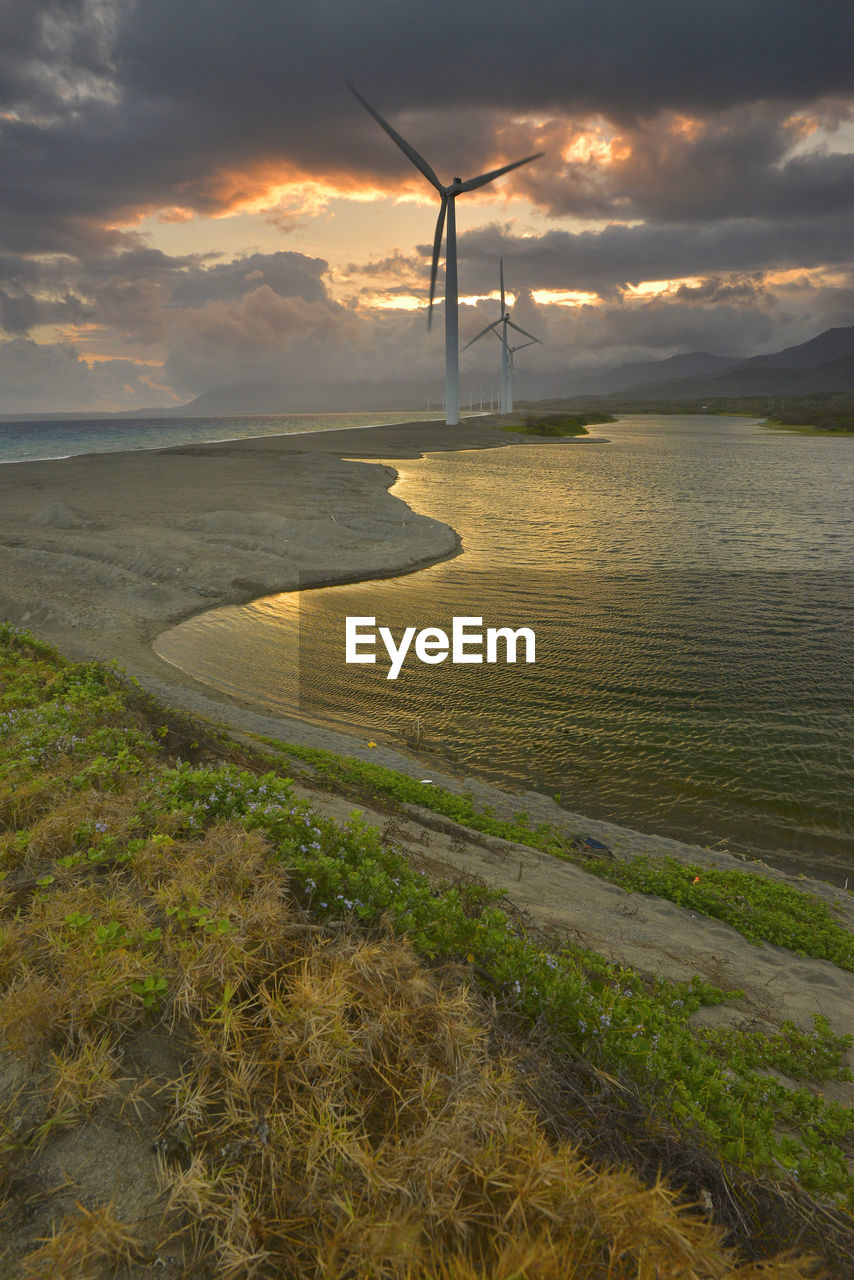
{"points": [[177, 213], [660, 288], [817, 277], [472, 299], [101, 357], [564, 298], [392, 301], [687, 127], [601, 148]]}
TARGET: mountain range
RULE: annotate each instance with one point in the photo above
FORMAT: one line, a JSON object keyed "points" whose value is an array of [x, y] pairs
{"points": [[824, 363]]}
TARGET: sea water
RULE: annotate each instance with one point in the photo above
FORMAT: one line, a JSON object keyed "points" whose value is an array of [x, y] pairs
{"points": [[28, 440]]}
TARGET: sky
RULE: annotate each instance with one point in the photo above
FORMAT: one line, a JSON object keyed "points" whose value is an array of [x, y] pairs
{"points": [[192, 199]]}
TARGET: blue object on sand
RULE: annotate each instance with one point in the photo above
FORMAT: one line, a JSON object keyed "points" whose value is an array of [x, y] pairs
{"points": [[595, 846]]}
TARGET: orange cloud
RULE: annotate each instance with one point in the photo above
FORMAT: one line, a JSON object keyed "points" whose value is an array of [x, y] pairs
{"points": [[564, 298], [177, 213], [271, 187], [592, 148], [392, 301], [660, 288], [688, 128], [800, 126]]}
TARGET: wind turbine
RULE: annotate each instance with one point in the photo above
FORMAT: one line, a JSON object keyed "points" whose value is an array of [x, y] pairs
{"points": [[448, 195], [505, 402]]}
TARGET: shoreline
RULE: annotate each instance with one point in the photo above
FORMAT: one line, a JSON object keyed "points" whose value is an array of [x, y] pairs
{"points": [[94, 550], [62, 457], [113, 520], [247, 517]]}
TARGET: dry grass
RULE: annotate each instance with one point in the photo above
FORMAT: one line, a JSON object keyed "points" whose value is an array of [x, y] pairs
{"points": [[85, 1246], [340, 1112], [316, 1103], [84, 1077], [345, 1117]]}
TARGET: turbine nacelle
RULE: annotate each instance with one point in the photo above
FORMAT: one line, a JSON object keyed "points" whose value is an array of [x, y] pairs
{"points": [[456, 188]]}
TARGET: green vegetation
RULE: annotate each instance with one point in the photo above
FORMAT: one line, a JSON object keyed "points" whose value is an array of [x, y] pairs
{"points": [[761, 909], [556, 425], [326, 1071], [368, 781], [819, 413]]}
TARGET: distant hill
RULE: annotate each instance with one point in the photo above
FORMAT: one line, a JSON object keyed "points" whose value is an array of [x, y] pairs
{"points": [[328, 397], [249, 397], [830, 346], [641, 372], [824, 363]]}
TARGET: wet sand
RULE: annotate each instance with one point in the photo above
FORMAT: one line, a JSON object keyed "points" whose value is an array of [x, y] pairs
{"points": [[99, 553]]}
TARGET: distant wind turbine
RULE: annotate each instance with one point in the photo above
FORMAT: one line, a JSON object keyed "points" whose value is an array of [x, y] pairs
{"points": [[446, 210], [505, 401]]}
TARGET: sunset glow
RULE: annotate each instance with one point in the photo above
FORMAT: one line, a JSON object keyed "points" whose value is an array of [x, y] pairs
{"points": [[208, 202], [661, 288], [564, 298]]}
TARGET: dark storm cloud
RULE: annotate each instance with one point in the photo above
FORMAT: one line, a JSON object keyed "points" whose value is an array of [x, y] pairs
{"points": [[110, 109], [55, 53], [125, 105], [602, 262], [734, 163], [135, 292], [288, 274], [22, 311], [608, 55]]}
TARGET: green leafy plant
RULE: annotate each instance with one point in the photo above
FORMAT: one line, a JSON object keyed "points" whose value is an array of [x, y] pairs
{"points": [[151, 989]]}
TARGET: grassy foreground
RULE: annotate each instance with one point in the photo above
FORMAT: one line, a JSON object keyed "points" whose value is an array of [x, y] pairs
{"points": [[305, 1029]]}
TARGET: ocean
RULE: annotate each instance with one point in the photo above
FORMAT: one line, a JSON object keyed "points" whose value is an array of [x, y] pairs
{"points": [[31, 440]]}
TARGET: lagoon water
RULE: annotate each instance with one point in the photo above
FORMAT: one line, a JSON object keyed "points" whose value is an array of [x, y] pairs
{"points": [[691, 586]]}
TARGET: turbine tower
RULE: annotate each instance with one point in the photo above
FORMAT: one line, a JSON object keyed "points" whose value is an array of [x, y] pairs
{"points": [[448, 195], [505, 401]]}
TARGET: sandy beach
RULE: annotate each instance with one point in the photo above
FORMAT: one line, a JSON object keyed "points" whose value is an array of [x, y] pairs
{"points": [[100, 553]]}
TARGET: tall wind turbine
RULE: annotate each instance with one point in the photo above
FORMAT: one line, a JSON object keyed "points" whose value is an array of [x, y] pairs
{"points": [[505, 402], [448, 195]]}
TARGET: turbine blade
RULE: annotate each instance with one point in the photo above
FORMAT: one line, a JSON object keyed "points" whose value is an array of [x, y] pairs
{"points": [[481, 334], [473, 183], [524, 332], [501, 270], [409, 151], [434, 265]]}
